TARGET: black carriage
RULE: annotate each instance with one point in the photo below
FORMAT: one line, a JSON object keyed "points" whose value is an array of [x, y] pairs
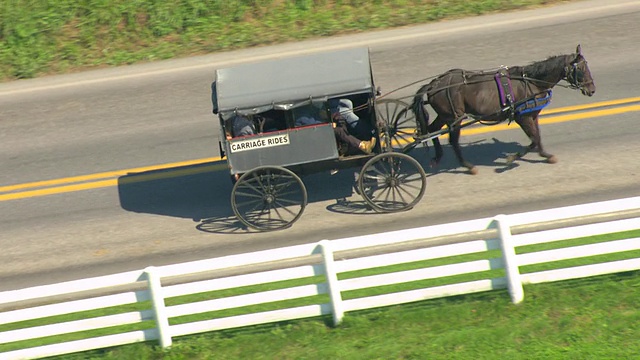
{"points": [[268, 150]]}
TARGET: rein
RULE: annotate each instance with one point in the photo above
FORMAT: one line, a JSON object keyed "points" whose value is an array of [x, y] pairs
{"points": [[571, 74]]}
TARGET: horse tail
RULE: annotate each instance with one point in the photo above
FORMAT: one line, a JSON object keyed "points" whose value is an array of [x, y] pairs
{"points": [[418, 108]]}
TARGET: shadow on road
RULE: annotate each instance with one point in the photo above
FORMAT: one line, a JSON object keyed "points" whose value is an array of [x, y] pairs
{"points": [[488, 153], [203, 192]]}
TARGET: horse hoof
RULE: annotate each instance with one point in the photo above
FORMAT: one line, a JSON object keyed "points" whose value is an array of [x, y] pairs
{"points": [[473, 171], [552, 159], [511, 159]]}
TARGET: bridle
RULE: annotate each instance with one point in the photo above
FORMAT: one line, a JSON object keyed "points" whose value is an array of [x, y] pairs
{"points": [[575, 76]]}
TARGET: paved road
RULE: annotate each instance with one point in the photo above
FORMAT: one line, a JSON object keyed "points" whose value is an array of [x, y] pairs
{"points": [[93, 138]]}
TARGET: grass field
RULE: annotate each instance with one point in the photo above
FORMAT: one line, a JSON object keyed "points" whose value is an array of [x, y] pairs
{"points": [[60, 36]]}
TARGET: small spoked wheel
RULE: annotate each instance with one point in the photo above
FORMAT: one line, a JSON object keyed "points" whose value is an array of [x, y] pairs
{"points": [[391, 182], [396, 117], [269, 198]]}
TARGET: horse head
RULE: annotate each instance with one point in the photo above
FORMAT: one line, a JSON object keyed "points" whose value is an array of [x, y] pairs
{"points": [[578, 75]]}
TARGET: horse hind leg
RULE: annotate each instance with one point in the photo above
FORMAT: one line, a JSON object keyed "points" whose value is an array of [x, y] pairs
{"points": [[454, 140], [436, 125]]}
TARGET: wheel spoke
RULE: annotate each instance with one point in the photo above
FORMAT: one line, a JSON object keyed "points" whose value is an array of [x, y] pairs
{"points": [[249, 186], [258, 179], [249, 195], [409, 177], [287, 202], [282, 207], [386, 191], [254, 203], [291, 192], [401, 189], [281, 187], [409, 185]]}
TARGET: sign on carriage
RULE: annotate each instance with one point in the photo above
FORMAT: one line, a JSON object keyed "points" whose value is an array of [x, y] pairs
{"points": [[259, 143]]}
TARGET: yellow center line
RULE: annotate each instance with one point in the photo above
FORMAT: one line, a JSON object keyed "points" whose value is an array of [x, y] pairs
{"points": [[555, 119], [111, 182], [590, 106], [104, 175], [59, 189], [110, 178]]}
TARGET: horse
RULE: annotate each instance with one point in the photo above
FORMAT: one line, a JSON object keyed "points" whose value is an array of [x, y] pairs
{"points": [[494, 96]]}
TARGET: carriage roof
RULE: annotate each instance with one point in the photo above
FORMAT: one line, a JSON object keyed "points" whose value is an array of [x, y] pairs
{"points": [[290, 82]]}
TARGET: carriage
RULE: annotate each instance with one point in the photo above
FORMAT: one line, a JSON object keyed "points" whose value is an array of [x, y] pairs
{"points": [[270, 151]]}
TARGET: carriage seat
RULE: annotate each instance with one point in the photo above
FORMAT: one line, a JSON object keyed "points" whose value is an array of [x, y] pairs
{"points": [[248, 125]]}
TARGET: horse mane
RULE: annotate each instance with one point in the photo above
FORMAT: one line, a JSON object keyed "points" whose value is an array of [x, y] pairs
{"points": [[551, 65]]}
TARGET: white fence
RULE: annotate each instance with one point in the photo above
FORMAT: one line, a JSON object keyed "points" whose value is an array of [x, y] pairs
{"points": [[327, 259]]}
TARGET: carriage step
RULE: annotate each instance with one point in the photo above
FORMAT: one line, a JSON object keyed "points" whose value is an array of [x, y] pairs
{"points": [[355, 156]]}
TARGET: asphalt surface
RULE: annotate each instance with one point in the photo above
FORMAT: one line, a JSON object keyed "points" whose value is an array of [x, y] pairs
{"points": [[117, 121]]}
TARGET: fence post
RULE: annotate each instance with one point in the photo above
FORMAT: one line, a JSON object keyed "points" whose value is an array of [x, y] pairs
{"points": [[159, 310], [514, 282], [332, 281]]}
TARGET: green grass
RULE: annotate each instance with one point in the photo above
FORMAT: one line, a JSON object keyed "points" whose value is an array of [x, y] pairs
{"points": [[595, 318], [60, 36], [570, 319]]}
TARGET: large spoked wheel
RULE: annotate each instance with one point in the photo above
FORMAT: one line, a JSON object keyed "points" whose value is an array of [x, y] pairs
{"points": [[269, 198], [391, 182], [396, 118]]}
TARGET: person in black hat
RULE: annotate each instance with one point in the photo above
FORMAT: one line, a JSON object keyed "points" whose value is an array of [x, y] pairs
{"points": [[344, 107]]}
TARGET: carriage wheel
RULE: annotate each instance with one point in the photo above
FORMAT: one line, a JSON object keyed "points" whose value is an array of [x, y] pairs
{"points": [[391, 182], [269, 198], [396, 117]]}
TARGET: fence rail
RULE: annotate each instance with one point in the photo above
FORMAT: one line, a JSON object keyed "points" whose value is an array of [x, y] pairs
{"points": [[342, 267]]}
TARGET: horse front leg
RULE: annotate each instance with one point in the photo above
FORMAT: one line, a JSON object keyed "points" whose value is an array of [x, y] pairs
{"points": [[531, 128], [551, 159]]}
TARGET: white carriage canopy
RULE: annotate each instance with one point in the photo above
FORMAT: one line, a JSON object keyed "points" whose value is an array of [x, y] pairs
{"points": [[291, 82]]}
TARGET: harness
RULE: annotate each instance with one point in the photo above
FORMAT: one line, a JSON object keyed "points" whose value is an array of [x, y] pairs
{"points": [[513, 108], [505, 90], [534, 103]]}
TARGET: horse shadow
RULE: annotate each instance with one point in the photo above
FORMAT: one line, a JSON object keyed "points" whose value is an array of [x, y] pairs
{"points": [[485, 152], [202, 193]]}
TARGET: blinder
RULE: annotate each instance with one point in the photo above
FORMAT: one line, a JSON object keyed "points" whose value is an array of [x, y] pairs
{"points": [[574, 75]]}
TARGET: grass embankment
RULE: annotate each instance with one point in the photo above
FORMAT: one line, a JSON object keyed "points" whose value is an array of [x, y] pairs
{"points": [[593, 318], [60, 36]]}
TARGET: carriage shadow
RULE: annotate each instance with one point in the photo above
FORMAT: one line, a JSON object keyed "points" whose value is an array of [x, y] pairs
{"points": [[195, 191], [202, 193], [320, 187]]}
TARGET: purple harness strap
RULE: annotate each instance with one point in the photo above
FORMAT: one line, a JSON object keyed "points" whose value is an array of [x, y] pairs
{"points": [[506, 98]]}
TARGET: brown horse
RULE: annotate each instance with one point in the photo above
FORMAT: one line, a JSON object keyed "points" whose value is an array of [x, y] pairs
{"points": [[460, 98]]}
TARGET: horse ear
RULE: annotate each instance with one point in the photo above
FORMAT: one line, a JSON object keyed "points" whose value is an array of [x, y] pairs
{"points": [[579, 50]]}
